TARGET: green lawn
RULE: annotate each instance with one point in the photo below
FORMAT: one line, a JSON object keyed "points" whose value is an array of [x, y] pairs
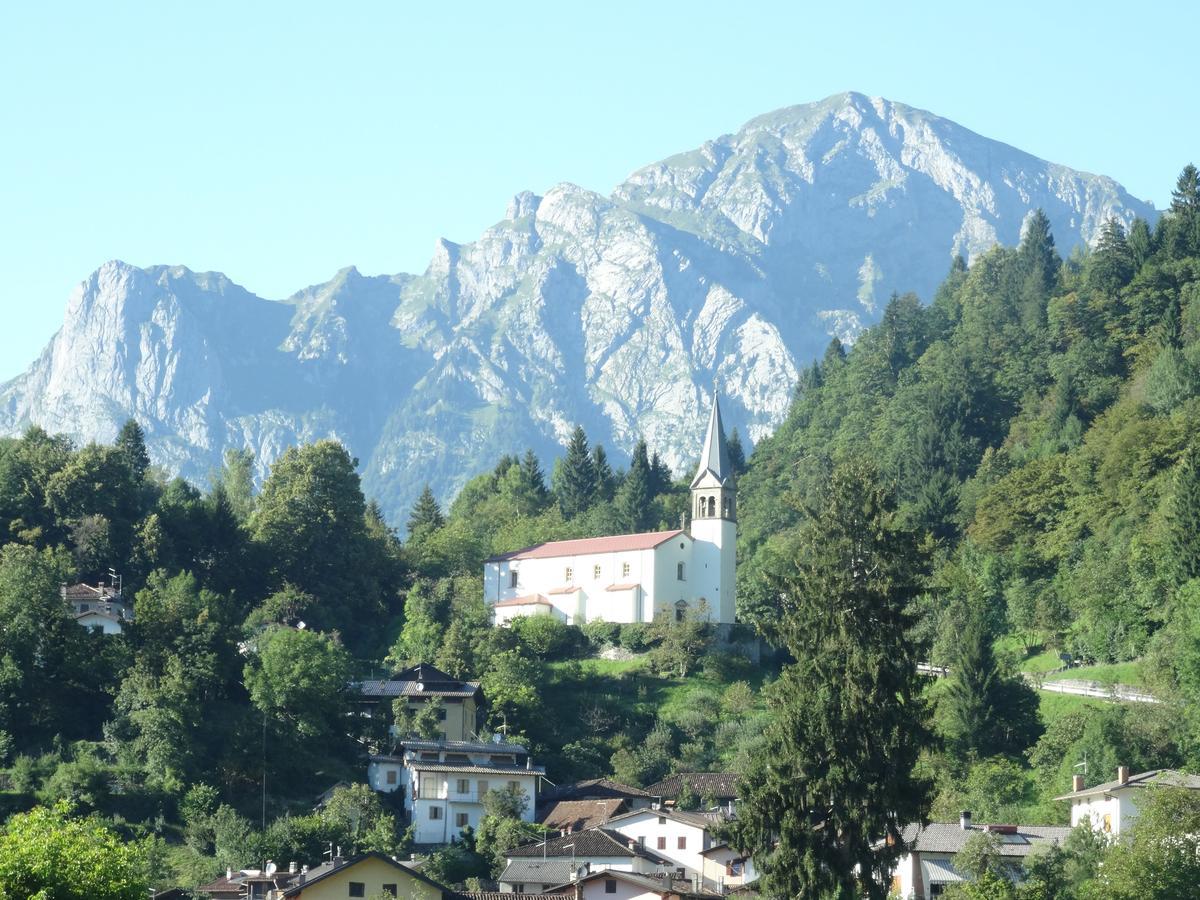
{"points": [[1035, 659], [1055, 706], [1117, 673]]}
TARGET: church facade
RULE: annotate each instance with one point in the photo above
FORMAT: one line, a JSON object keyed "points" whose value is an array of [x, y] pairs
{"points": [[633, 577]]}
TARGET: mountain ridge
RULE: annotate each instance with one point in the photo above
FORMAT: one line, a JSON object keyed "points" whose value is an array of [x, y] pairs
{"points": [[729, 264]]}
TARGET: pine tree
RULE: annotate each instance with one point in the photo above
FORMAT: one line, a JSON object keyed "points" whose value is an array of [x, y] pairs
{"points": [[1185, 516], [737, 455], [660, 475], [531, 485], [1185, 199], [426, 515], [131, 442], [634, 498], [606, 482], [1111, 266], [575, 486], [827, 795]]}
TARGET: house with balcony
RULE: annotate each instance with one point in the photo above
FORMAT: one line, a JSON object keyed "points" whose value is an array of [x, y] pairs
{"points": [[420, 685], [678, 837], [444, 782]]}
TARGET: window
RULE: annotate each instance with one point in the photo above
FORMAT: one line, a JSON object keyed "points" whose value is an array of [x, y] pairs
{"points": [[441, 714], [463, 786], [681, 873], [734, 867], [83, 607], [679, 571], [514, 785], [1108, 823], [568, 574], [642, 841], [391, 776], [610, 885], [390, 890], [625, 570], [682, 843], [596, 572], [435, 812], [358, 889], [483, 786], [461, 820], [662, 820], [512, 579], [662, 843]]}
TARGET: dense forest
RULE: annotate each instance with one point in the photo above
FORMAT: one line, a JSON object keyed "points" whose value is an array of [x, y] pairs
{"points": [[1026, 442]]}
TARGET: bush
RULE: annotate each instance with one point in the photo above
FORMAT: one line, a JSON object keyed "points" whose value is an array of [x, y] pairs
{"points": [[602, 634], [726, 667], [547, 638], [635, 637]]}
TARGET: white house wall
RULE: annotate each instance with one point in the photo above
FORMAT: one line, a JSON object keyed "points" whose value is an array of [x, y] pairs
{"points": [[647, 826]]}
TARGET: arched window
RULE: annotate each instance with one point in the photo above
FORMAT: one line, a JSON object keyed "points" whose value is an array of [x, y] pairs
{"points": [[712, 506], [681, 610], [699, 506], [725, 504]]}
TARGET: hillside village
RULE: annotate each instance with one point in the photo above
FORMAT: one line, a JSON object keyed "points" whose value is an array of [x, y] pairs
{"points": [[935, 637]]}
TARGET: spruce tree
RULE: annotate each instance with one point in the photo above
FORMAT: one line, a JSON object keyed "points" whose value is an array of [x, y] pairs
{"points": [[1111, 266], [426, 515], [737, 455], [1185, 517], [606, 482], [532, 493], [634, 498], [575, 486], [131, 442], [660, 475], [827, 795]]}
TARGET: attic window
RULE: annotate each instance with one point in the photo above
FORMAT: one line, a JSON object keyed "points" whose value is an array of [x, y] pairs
{"points": [[512, 579]]}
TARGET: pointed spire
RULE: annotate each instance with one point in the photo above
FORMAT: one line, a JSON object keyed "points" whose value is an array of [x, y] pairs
{"points": [[715, 456]]}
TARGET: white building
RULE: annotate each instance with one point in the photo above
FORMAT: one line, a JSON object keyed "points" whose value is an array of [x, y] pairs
{"points": [[1111, 808], [101, 608], [633, 577], [927, 869], [679, 837], [444, 782]]}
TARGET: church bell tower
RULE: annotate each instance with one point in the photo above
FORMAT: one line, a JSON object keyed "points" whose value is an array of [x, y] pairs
{"points": [[714, 522]]}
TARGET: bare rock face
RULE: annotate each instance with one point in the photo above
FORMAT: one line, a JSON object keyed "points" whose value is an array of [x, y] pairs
{"points": [[727, 266]]}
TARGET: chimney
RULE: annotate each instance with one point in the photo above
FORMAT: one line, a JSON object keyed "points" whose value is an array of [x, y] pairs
{"points": [[964, 819], [1076, 783], [1122, 774], [292, 867], [228, 873]]}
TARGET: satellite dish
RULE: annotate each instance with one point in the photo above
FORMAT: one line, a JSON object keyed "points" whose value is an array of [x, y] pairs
{"points": [[271, 868]]}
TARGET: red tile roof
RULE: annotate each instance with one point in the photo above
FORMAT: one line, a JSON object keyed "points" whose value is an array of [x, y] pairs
{"points": [[569, 589], [623, 587], [616, 543], [527, 600]]}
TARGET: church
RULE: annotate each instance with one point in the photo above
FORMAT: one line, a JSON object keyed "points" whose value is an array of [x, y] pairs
{"points": [[633, 577]]}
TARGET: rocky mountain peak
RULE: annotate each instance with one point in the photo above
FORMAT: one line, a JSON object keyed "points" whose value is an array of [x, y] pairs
{"points": [[730, 263]]}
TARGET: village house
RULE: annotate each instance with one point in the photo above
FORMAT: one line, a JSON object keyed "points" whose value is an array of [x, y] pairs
{"points": [[928, 868], [680, 837], [444, 782], [422, 684], [367, 875], [101, 608], [632, 886], [713, 790], [593, 850], [726, 869], [633, 577], [1112, 807]]}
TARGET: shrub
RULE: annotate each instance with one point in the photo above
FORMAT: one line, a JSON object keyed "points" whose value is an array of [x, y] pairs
{"points": [[602, 634], [635, 637]]}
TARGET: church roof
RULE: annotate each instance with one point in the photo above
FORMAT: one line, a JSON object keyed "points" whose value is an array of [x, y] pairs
{"points": [[616, 543], [715, 456]]}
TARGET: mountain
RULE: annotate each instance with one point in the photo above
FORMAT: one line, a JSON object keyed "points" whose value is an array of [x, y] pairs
{"points": [[730, 265]]}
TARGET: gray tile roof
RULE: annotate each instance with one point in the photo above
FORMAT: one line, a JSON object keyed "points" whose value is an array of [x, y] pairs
{"points": [[1153, 778], [594, 842], [938, 837], [535, 870], [719, 785], [596, 789], [465, 746]]}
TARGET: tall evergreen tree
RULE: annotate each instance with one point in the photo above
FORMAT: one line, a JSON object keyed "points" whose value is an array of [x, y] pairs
{"points": [[660, 475], [635, 496], [834, 776], [1111, 265], [1185, 516], [531, 490], [737, 455], [606, 482], [131, 442], [575, 486], [426, 515]]}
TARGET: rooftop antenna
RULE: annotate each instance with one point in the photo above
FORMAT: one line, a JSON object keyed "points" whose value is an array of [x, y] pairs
{"points": [[1082, 765], [115, 580]]}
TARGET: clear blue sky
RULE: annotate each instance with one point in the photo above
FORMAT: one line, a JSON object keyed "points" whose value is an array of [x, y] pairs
{"points": [[278, 142]]}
